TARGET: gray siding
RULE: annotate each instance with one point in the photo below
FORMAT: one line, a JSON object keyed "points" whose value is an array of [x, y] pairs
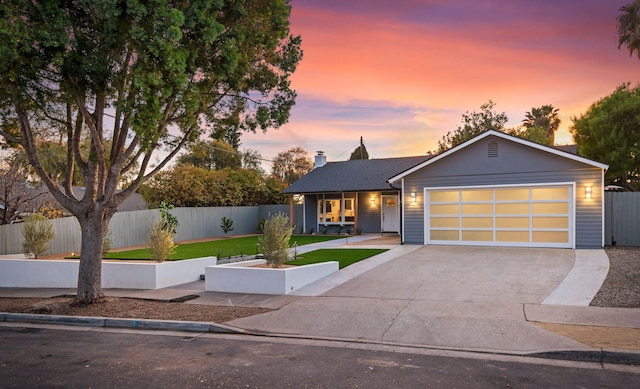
{"points": [[515, 164], [622, 218], [369, 218]]}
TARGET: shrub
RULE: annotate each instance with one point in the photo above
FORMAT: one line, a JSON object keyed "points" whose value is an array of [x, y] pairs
{"points": [[161, 242], [226, 224], [38, 232], [274, 244], [107, 242], [169, 222]]}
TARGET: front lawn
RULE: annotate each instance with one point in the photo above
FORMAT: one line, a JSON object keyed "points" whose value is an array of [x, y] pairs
{"points": [[345, 257], [221, 248]]}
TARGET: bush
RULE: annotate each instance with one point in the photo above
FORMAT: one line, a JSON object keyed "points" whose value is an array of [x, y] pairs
{"points": [[161, 242], [226, 224], [38, 232], [169, 221], [274, 244]]}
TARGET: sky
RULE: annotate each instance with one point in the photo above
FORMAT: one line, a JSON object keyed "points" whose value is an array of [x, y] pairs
{"points": [[401, 73]]}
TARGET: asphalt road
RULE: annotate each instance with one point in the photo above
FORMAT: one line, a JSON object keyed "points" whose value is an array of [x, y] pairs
{"points": [[76, 357]]}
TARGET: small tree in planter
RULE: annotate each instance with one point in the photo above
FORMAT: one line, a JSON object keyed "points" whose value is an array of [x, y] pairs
{"points": [[274, 244], [37, 231], [226, 225], [161, 242]]}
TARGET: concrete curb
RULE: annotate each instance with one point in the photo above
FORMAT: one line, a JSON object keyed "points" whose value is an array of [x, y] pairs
{"points": [[618, 357], [149, 324]]}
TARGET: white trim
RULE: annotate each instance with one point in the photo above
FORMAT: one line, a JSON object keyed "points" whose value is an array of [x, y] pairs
{"points": [[402, 207], [602, 207], [503, 136], [571, 216]]}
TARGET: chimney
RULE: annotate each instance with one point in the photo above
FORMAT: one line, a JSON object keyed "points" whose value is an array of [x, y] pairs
{"points": [[321, 159]]}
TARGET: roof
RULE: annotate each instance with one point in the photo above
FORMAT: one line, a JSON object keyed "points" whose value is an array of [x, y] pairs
{"points": [[358, 175], [548, 149]]}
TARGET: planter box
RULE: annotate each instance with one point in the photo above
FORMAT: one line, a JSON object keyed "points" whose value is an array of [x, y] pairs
{"points": [[30, 273], [241, 278]]}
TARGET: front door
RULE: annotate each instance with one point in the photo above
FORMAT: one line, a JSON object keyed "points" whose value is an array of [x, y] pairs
{"points": [[390, 220]]}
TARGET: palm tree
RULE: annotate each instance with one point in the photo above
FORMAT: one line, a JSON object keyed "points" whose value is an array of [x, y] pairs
{"points": [[545, 117], [629, 27]]}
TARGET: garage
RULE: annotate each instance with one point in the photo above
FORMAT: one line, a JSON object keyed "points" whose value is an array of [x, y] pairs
{"points": [[500, 190], [538, 215]]}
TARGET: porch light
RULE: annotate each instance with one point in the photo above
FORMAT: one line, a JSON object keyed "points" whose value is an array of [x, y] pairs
{"points": [[373, 200], [413, 197], [587, 193]]}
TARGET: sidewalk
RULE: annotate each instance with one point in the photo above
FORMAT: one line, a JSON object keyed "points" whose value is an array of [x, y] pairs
{"points": [[539, 329]]}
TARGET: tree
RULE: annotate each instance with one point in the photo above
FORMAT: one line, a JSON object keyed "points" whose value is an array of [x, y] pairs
{"points": [[534, 134], [289, 166], [544, 117], [473, 124], [628, 22], [609, 132], [145, 76], [212, 155], [360, 152], [16, 193], [251, 159]]}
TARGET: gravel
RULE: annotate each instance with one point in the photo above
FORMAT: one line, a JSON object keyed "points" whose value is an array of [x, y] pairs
{"points": [[621, 288]]}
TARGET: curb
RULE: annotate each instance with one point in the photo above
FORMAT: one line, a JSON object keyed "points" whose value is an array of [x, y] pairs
{"points": [[598, 356], [149, 324]]}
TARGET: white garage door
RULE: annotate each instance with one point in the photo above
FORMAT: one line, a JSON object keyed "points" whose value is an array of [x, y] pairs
{"points": [[529, 216]]}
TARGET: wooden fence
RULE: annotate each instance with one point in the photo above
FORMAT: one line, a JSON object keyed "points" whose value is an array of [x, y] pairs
{"points": [[622, 218], [132, 228]]}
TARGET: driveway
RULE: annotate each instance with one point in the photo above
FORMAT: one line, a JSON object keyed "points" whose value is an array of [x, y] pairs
{"points": [[452, 297]]}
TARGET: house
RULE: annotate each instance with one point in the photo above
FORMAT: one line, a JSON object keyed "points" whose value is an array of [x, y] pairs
{"points": [[493, 190]]}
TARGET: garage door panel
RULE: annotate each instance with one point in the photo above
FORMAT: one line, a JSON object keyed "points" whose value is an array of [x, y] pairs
{"points": [[539, 215]]}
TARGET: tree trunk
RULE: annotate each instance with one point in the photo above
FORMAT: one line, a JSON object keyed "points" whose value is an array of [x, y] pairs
{"points": [[90, 273]]}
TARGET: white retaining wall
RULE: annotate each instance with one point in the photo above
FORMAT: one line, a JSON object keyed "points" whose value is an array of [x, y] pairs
{"points": [[30, 273], [241, 278]]}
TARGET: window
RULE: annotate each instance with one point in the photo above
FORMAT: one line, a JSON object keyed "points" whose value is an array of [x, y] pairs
{"points": [[336, 211]]}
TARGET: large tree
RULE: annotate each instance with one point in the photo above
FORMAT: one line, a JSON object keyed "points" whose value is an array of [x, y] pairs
{"points": [[473, 124], [545, 118], [629, 27], [609, 132], [136, 78], [212, 155], [360, 152], [289, 166]]}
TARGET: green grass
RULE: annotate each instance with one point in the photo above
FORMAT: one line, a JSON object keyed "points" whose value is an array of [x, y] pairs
{"points": [[345, 257], [221, 248]]}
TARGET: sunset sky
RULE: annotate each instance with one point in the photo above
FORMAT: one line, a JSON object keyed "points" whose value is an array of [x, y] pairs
{"points": [[401, 73]]}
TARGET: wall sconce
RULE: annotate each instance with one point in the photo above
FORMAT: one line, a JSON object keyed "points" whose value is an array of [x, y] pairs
{"points": [[413, 197], [373, 200], [587, 192]]}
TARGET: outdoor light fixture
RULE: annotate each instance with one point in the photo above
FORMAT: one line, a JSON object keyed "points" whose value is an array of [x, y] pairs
{"points": [[587, 193], [373, 200], [413, 197]]}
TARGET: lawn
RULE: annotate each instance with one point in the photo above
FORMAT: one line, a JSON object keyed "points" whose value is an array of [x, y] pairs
{"points": [[221, 248], [345, 257]]}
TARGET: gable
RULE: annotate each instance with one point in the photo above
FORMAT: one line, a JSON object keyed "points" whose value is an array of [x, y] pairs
{"points": [[494, 152]]}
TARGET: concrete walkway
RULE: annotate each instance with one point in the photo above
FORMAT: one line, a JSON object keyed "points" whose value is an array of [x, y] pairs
{"points": [[463, 298]]}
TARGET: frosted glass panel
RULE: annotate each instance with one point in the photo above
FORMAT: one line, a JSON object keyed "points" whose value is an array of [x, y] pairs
{"points": [[550, 208], [444, 222], [550, 222], [444, 235], [437, 197], [550, 193], [512, 209], [512, 236], [477, 222], [477, 195], [477, 236], [512, 222], [444, 209], [512, 194], [477, 209], [551, 236]]}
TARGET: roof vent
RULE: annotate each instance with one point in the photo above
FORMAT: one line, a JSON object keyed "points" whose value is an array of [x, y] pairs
{"points": [[492, 149], [321, 159]]}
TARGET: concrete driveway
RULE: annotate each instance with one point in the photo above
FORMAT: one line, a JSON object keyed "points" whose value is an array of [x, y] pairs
{"points": [[469, 298], [465, 274]]}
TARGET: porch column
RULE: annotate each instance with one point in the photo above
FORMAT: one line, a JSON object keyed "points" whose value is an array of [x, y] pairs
{"points": [[292, 217]]}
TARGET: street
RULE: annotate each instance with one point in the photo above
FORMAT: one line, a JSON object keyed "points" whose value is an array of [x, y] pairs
{"points": [[44, 356]]}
